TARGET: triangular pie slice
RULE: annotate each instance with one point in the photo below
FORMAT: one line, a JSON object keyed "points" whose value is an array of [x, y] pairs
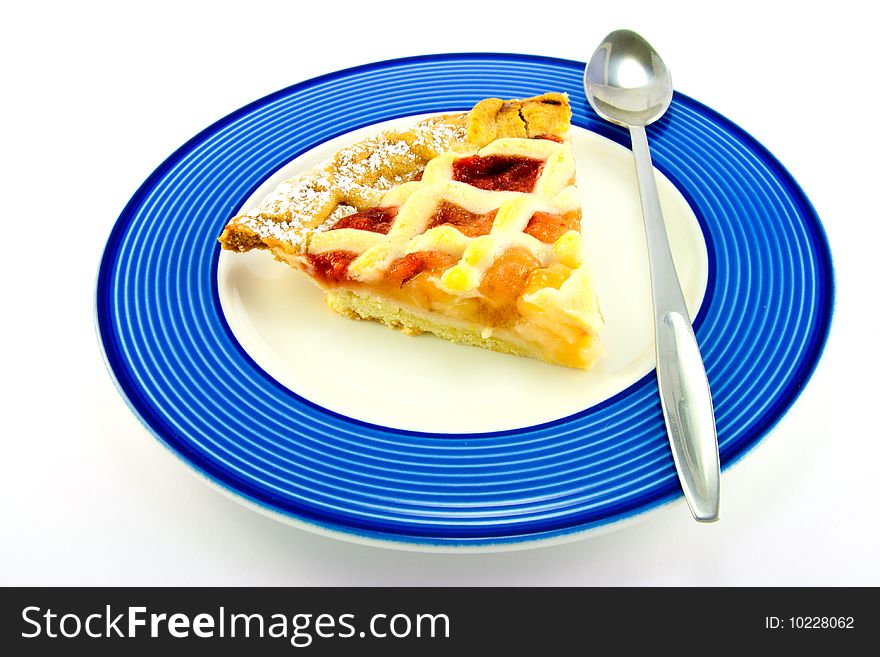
{"points": [[466, 226]]}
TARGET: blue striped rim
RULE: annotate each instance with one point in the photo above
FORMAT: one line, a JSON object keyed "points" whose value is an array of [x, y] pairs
{"points": [[761, 328]]}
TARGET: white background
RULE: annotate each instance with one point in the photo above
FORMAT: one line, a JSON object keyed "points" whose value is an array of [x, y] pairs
{"points": [[95, 96]]}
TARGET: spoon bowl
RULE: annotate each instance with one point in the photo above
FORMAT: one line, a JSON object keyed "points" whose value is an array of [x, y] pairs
{"points": [[626, 82]]}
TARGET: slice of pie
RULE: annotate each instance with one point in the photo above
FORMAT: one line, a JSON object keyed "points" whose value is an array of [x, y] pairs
{"points": [[466, 226]]}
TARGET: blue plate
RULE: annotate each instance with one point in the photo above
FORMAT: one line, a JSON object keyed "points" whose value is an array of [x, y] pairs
{"points": [[761, 328]]}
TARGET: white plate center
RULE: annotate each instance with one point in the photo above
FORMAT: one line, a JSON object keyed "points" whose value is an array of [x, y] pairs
{"points": [[366, 371]]}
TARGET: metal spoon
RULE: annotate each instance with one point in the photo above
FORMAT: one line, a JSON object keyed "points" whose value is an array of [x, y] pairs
{"points": [[627, 83]]}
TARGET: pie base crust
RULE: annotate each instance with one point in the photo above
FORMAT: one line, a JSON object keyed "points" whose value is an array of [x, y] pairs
{"points": [[415, 322]]}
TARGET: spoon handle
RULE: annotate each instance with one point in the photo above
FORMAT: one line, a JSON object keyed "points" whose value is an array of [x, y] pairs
{"points": [[681, 375]]}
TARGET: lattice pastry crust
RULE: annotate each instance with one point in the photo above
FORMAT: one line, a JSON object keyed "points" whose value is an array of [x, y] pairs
{"points": [[357, 176]]}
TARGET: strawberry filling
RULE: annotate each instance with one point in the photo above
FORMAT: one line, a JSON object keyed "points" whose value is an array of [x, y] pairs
{"points": [[498, 172]]}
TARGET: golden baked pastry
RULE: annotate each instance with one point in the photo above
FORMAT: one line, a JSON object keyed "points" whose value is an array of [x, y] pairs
{"points": [[466, 226]]}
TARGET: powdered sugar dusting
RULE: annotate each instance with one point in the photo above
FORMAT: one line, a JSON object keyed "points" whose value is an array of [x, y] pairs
{"points": [[342, 210], [354, 179]]}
